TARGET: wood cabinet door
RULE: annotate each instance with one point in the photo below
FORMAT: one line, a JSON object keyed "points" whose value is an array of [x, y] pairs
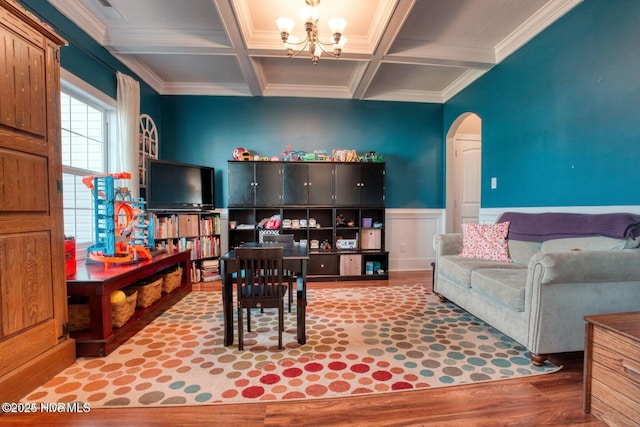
{"points": [[268, 184], [23, 100], [307, 183], [347, 184], [33, 309], [320, 184], [241, 184], [372, 184], [295, 183]]}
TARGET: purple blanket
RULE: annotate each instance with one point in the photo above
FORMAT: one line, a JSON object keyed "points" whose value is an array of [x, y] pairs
{"points": [[547, 226]]}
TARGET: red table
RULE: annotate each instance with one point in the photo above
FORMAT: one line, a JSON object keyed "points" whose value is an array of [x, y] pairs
{"points": [[96, 282]]}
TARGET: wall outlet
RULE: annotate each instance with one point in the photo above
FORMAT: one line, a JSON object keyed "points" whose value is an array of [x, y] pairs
{"points": [[494, 183], [403, 247]]}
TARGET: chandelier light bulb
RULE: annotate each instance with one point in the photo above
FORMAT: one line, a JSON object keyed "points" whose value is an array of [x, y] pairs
{"points": [[285, 25], [337, 47], [293, 47], [317, 52], [309, 14], [342, 42], [337, 25]]}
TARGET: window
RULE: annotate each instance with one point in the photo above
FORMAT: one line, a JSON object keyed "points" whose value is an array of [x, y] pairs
{"points": [[85, 150]]}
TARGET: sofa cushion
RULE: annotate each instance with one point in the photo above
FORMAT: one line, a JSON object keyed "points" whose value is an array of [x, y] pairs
{"points": [[485, 241], [521, 252], [592, 243], [458, 269], [505, 285]]}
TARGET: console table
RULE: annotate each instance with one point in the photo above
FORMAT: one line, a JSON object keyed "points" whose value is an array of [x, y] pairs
{"points": [[96, 282]]}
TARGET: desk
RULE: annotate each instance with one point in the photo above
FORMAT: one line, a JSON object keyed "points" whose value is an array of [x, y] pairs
{"points": [[295, 259], [96, 282]]}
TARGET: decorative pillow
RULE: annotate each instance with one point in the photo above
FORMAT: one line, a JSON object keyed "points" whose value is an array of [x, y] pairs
{"points": [[485, 241]]}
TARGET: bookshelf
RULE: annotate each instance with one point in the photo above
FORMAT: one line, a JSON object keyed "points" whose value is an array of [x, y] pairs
{"points": [[198, 231]]}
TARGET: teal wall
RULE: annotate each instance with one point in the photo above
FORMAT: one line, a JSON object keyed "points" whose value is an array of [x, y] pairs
{"points": [[560, 116], [205, 130]]}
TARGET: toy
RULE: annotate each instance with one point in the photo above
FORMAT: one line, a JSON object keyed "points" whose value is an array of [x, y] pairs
{"points": [[345, 156], [241, 154], [122, 234]]}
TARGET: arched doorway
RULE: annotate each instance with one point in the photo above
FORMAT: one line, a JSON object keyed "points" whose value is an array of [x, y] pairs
{"points": [[464, 171]]}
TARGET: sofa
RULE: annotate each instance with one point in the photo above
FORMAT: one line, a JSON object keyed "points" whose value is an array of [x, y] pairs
{"points": [[549, 271]]}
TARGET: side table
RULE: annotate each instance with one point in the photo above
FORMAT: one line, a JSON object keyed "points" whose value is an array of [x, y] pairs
{"points": [[612, 368]]}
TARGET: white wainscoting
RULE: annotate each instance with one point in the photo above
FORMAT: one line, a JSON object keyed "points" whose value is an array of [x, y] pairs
{"points": [[409, 237]]}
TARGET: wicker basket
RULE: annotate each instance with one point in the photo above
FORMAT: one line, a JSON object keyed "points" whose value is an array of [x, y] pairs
{"points": [[123, 310], [172, 280], [79, 316], [149, 291]]}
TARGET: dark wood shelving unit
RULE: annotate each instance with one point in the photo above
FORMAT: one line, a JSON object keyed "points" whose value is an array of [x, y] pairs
{"points": [[315, 192]]}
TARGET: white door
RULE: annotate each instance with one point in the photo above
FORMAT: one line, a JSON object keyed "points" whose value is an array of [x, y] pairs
{"points": [[466, 173]]}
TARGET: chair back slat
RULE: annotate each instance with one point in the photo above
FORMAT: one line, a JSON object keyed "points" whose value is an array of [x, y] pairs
{"points": [[261, 273]]}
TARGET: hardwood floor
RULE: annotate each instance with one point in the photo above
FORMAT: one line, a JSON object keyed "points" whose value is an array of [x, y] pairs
{"points": [[546, 400]]}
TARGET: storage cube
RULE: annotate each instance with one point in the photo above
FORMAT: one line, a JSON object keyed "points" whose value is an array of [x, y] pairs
{"points": [[371, 239], [350, 265]]}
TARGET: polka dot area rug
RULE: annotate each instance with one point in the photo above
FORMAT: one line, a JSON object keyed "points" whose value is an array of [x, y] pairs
{"points": [[359, 340]]}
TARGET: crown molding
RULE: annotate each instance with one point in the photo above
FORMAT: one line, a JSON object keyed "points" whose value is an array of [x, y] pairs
{"points": [[142, 71], [82, 17], [424, 96], [543, 18], [461, 83]]}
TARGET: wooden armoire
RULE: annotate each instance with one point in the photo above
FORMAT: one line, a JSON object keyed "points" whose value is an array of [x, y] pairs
{"points": [[34, 342]]}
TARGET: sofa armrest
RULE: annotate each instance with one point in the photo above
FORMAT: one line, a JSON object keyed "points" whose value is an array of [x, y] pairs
{"points": [[447, 244], [586, 266]]}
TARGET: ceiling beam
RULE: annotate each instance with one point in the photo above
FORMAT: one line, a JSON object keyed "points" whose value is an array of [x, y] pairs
{"points": [[227, 15], [400, 14]]}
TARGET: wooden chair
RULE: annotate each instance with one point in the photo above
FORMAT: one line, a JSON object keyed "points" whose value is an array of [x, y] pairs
{"points": [[282, 239], [259, 285]]}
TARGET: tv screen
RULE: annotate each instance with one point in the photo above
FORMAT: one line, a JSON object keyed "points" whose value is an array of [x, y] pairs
{"points": [[179, 186]]}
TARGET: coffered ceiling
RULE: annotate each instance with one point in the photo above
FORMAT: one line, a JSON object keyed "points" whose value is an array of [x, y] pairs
{"points": [[397, 50]]}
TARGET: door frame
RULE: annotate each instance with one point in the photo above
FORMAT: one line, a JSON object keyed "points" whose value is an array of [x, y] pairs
{"points": [[450, 158]]}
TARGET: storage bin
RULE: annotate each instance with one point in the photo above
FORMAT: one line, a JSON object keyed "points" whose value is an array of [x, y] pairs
{"points": [[122, 311], [262, 233], [171, 280], [350, 265], [371, 239], [149, 291], [79, 316]]}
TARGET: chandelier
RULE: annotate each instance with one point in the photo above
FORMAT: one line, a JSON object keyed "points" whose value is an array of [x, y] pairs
{"points": [[293, 47]]}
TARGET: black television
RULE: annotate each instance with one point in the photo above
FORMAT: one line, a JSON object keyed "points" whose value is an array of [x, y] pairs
{"points": [[179, 186]]}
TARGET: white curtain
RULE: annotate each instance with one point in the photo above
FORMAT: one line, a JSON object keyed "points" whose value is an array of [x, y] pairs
{"points": [[128, 118]]}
